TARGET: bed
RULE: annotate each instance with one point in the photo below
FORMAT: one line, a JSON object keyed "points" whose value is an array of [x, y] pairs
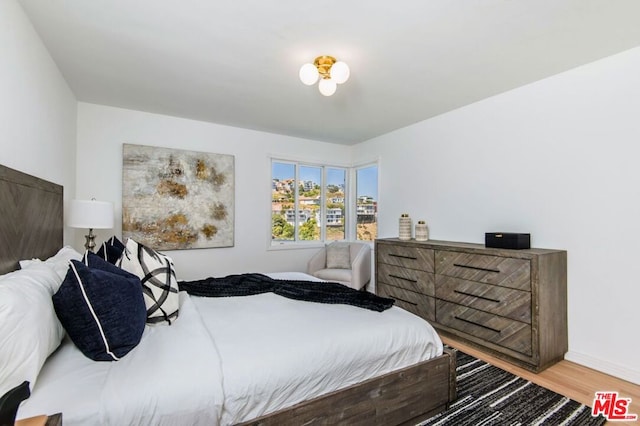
{"points": [[256, 360]]}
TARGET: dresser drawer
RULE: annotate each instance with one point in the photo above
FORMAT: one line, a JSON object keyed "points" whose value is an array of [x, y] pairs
{"points": [[416, 303], [506, 302], [409, 279], [497, 270], [407, 257], [502, 331]]}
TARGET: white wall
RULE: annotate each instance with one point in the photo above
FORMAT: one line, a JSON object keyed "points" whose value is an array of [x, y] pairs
{"points": [[557, 158], [37, 108], [102, 131]]}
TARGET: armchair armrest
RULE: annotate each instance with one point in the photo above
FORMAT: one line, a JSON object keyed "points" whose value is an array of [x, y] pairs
{"points": [[361, 267], [317, 262]]}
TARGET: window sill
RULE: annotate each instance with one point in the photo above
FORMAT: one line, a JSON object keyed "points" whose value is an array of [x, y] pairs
{"points": [[295, 245], [286, 245]]}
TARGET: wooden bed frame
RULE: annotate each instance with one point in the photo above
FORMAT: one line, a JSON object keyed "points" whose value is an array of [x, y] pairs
{"points": [[31, 225], [30, 218]]}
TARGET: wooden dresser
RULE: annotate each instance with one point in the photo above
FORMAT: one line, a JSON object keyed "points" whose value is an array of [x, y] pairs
{"points": [[511, 303]]}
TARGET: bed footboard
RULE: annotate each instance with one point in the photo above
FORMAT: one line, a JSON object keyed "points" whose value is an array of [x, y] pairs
{"points": [[403, 397]]}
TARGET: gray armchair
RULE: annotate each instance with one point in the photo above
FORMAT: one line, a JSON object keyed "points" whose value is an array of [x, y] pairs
{"points": [[343, 262]]}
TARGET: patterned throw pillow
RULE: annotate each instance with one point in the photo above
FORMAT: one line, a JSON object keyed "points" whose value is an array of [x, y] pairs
{"points": [[101, 308], [338, 256], [158, 277], [111, 250]]}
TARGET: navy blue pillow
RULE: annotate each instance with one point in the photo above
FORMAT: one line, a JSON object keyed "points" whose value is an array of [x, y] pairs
{"points": [[111, 250], [94, 261], [102, 308]]}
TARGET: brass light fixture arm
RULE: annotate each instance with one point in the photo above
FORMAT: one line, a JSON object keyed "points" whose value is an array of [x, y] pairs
{"points": [[324, 64]]}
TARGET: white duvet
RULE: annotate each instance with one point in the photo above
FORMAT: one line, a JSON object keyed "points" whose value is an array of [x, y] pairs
{"points": [[172, 377], [227, 360]]}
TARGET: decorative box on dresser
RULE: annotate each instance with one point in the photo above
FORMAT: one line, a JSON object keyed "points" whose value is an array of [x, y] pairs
{"points": [[511, 303]]}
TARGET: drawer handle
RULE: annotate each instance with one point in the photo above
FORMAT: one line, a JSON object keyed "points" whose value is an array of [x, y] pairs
{"points": [[495, 330], [477, 268], [403, 256], [405, 301], [403, 278], [479, 297]]}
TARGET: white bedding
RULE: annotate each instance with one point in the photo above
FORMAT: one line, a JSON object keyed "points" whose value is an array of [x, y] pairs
{"points": [[172, 377], [230, 360]]}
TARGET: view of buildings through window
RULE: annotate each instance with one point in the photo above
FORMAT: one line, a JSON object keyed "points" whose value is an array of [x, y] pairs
{"points": [[310, 203], [367, 203]]}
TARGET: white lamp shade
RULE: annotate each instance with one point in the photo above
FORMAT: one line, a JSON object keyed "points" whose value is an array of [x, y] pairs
{"points": [[327, 86], [90, 214], [340, 72], [309, 74]]}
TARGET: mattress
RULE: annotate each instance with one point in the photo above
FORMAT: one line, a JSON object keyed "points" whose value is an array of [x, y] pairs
{"points": [[227, 360]]}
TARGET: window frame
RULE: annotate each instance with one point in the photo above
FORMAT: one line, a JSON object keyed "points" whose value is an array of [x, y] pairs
{"points": [[354, 204], [350, 209]]}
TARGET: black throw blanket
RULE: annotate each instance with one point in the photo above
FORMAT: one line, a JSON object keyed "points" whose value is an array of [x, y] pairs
{"points": [[310, 291]]}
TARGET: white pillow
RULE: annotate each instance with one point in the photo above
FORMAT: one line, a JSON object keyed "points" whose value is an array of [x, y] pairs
{"points": [[158, 278], [338, 256], [29, 328], [59, 262]]}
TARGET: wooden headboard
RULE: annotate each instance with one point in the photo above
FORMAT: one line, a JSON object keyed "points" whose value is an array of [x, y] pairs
{"points": [[31, 218]]}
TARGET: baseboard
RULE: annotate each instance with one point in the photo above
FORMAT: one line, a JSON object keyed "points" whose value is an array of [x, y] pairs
{"points": [[606, 367]]}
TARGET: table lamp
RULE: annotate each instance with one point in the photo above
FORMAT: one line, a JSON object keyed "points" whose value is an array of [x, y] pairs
{"points": [[90, 214]]}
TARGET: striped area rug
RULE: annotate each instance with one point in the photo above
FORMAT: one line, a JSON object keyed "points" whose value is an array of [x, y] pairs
{"points": [[488, 395]]}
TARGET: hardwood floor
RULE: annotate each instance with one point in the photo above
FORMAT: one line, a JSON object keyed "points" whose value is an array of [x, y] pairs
{"points": [[566, 378]]}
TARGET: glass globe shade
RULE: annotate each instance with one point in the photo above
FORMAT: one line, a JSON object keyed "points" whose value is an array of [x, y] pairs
{"points": [[340, 72], [309, 74], [327, 86]]}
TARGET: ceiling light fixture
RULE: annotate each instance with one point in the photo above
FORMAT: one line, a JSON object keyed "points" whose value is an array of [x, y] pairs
{"points": [[330, 72]]}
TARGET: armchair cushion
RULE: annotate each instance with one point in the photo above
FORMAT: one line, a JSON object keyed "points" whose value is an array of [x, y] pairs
{"points": [[342, 276], [338, 256]]}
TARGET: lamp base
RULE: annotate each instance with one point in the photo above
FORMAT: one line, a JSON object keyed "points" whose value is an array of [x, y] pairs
{"points": [[90, 243]]}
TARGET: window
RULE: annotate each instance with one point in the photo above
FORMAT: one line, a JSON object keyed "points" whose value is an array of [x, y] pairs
{"points": [[309, 206], [367, 203], [335, 196], [283, 200], [309, 202]]}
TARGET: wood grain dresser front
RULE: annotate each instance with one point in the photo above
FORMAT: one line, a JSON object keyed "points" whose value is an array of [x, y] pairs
{"points": [[511, 303]]}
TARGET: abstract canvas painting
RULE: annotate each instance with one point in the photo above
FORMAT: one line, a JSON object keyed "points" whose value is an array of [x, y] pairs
{"points": [[175, 199]]}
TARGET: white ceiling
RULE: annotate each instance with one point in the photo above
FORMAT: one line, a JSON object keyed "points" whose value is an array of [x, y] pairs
{"points": [[236, 62]]}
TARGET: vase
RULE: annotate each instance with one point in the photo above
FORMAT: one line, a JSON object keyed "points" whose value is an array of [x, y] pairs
{"points": [[404, 232], [422, 231]]}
